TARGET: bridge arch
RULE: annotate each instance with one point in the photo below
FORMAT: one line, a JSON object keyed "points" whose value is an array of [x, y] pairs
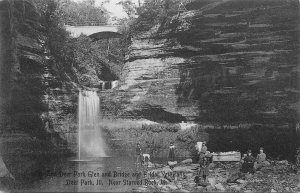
{"points": [[105, 35], [76, 31]]}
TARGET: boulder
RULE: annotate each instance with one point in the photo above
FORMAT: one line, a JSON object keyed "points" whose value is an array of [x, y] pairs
{"points": [[187, 161], [199, 189], [165, 169], [172, 187], [150, 165], [189, 175], [221, 179], [220, 187], [236, 187], [212, 181], [168, 178], [202, 183], [211, 166], [259, 172], [284, 162], [158, 165], [183, 169], [233, 177], [248, 176], [164, 181], [272, 190], [170, 163], [241, 181], [183, 190], [192, 184], [209, 188]]}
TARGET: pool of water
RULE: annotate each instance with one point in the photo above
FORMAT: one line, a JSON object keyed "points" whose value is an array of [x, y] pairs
{"points": [[107, 174]]}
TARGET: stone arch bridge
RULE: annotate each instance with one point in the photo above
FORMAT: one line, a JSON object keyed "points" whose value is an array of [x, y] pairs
{"points": [[91, 30], [97, 32]]}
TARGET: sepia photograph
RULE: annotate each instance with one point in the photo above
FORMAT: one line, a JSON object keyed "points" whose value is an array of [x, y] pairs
{"points": [[149, 96]]}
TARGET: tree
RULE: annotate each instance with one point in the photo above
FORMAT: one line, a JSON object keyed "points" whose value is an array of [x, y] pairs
{"points": [[82, 59], [129, 7], [83, 13]]}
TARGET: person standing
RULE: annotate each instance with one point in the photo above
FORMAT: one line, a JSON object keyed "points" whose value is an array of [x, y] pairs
{"points": [[138, 152], [202, 152], [204, 147], [204, 172], [172, 152], [203, 165], [202, 158], [298, 157]]}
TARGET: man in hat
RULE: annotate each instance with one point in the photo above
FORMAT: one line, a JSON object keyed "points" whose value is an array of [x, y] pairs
{"points": [[248, 165]]}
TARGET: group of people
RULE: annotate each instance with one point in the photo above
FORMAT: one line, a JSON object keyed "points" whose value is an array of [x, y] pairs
{"points": [[250, 164], [141, 158], [205, 158], [144, 158]]}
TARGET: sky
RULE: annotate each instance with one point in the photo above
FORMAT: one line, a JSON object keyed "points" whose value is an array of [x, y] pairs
{"points": [[116, 10]]}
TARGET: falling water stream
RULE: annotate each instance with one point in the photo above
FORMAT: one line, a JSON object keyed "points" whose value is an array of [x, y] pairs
{"points": [[90, 140]]}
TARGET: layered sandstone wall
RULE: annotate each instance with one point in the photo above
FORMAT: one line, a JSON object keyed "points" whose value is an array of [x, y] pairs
{"points": [[35, 102], [219, 61]]}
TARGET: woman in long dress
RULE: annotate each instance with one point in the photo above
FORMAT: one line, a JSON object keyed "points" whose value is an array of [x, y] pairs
{"points": [[171, 152]]}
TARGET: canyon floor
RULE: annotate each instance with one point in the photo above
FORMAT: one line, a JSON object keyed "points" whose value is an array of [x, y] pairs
{"points": [[280, 176]]}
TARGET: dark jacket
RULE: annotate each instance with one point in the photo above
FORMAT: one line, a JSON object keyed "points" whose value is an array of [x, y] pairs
{"points": [[138, 151]]}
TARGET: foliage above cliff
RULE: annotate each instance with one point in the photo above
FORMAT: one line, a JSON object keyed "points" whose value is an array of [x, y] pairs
{"points": [[82, 13], [84, 60], [144, 17], [76, 13]]}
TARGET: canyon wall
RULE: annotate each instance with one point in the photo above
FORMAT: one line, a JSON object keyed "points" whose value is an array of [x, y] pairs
{"points": [[36, 106], [224, 62]]}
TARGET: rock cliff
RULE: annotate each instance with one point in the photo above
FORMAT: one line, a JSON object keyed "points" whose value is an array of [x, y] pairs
{"points": [[30, 90], [225, 61]]}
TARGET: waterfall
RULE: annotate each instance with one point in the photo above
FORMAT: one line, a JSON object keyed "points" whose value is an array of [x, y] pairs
{"points": [[90, 141]]}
